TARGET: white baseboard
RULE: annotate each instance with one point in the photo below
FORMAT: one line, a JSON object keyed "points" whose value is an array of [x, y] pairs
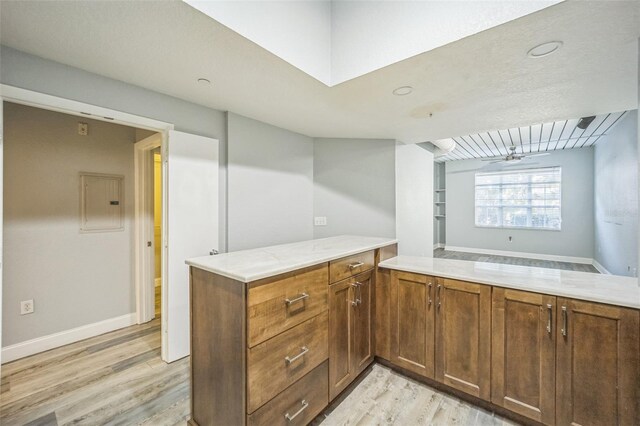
{"points": [[44, 343], [438, 245], [600, 268], [539, 256]]}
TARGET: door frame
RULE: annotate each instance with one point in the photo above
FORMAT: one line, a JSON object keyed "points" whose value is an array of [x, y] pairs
{"points": [[54, 103], [144, 227]]}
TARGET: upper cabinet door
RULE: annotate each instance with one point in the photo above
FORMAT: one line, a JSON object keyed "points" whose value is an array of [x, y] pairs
{"points": [[412, 322], [597, 364], [463, 336], [523, 353], [192, 226]]}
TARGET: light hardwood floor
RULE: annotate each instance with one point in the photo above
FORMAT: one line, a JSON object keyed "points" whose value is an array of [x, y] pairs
{"points": [[119, 379], [445, 254]]}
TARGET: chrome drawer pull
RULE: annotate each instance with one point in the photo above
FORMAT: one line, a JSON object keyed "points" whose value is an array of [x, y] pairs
{"points": [[549, 309], [563, 330], [429, 298], [288, 360], [296, 299], [290, 417], [356, 265]]}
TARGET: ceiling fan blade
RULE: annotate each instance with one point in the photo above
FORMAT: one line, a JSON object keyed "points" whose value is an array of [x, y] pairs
{"points": [[492, 159], [536, 155]]}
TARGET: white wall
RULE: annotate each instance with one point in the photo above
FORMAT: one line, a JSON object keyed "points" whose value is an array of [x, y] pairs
{"points": [[298, 31], [414, 200], [354, 187], [576, 239], [73, 278], [368, 35], [616, 198], [270, 193]]}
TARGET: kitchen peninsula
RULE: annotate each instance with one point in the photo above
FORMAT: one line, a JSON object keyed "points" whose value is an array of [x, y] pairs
{"points": [[278, 333]]}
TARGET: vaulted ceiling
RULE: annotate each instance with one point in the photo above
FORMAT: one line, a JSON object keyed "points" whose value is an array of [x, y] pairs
{"points": [[482, 82]]}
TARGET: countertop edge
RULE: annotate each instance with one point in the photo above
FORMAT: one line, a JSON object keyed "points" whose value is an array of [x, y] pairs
{"points": [[284, 270], [543, 290]]}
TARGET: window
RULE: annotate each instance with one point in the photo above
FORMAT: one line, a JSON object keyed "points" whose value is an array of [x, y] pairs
{"points": [[519, 199]]}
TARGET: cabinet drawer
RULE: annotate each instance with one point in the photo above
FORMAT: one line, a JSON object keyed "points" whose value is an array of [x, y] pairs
{"points": [[277, 363], [298, 404], [349, 266], [279, 305]]}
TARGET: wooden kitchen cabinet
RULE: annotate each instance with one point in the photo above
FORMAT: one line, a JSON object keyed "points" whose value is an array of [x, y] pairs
{"points": [[363, 345], [412, 322], [350, 330], [523, 353], [463, 336], [597, 377]]}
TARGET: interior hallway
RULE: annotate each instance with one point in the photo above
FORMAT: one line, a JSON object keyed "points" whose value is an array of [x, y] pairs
{"points": [[568, 266]]}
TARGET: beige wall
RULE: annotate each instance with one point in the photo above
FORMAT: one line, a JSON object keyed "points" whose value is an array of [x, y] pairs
{"points": [[73, 278]]}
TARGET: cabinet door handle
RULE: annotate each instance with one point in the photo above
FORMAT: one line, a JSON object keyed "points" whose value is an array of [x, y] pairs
{"points": [[549, 318], [429, 301], [564, 321], [303, 351], [296, 299], [290, 417], [354, 303], [438, 295], [355, 265]]}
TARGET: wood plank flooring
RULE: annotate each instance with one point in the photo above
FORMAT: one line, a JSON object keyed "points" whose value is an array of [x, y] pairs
{"points": [[568, 266], [119, 379], [385, 397]]}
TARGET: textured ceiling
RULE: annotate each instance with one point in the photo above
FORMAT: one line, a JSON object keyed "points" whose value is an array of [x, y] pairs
{"points": [[559, 135], [485, 81]]}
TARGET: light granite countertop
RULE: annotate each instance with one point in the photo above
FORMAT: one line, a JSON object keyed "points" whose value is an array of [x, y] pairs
{"points": [[609, 289], [256, 264]]}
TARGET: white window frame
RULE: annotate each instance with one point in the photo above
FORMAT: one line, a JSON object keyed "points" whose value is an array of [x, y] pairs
{"points": [[511, 172]]}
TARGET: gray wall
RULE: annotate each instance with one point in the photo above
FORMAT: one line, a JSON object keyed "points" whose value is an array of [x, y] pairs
{"points": [[576, 237], [270, 192], [616, 198], [354, 187], [41, 75], [73, 278]]}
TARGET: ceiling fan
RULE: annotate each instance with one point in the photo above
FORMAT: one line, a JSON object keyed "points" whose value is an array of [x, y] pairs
{"points": [[513, 157]]}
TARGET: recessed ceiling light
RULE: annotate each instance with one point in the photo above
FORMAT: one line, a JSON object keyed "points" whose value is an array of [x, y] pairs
{"points": [[544, 49], [403, 90], [204, 81]]}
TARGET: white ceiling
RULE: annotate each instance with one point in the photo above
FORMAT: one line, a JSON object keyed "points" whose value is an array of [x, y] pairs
{"points": [[479, 83], [337, 40], [543, 137]]}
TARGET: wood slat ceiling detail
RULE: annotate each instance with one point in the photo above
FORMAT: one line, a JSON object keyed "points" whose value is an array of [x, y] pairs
{"points": [[543, 137]]}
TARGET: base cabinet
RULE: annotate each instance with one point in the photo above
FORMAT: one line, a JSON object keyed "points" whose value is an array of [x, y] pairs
{"points": [[351, 343], [597, 377], [523, 353], [412, 322], [463, 336]]}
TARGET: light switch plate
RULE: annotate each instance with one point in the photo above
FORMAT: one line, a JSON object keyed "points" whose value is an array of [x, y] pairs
{"points": [[320, 221]]}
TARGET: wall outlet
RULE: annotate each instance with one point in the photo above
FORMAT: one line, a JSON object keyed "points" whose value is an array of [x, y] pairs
{"points": [[26, 307], [83, 129], [320, 221]]}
